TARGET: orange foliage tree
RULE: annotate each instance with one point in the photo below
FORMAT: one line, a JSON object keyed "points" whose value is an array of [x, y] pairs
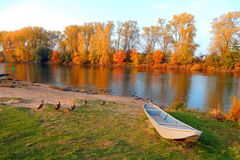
{"points": [[55, 59], [134, 56], [119, 56], [158, 57]]}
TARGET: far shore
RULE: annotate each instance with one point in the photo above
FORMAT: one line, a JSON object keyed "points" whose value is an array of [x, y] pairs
{"points": [[34, 93], [197, 67]]}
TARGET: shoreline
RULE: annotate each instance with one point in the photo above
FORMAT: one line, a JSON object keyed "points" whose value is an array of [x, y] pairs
{"points": [[163, 67], [34, 93]]}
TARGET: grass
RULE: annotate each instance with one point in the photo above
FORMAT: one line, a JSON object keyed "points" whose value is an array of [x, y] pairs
{"points": [[110, 131]]}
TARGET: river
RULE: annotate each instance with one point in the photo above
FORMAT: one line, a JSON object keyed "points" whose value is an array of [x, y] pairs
{"points": [[196, 89]]}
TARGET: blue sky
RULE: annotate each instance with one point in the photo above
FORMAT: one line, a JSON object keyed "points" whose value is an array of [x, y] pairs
{"points": [[56, 14]]}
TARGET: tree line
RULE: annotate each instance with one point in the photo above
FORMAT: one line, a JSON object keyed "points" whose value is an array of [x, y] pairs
{"points": [[168, 43]]}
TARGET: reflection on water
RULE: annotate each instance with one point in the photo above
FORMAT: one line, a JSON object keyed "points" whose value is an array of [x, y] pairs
{"points": [[198, 90]]}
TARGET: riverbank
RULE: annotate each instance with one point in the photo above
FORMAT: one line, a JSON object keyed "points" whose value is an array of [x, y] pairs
{"points": [[109, 131], [34, 93]]}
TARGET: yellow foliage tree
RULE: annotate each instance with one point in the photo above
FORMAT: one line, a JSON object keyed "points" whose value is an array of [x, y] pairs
{"points": [[184, 31]]}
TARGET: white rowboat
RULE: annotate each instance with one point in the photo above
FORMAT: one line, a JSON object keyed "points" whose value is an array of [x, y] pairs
{"points": [[169, 127]]}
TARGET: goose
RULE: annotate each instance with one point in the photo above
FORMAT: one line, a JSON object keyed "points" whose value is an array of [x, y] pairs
{"points": [[85, 102], [41, 105], [73, 107], [58, 106], [103, 102]]}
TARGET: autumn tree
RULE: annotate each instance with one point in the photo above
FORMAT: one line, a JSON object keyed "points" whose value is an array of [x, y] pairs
{"points": [[119, 56], [84, 37], [92, 56], [36, 37], [212, 60], [100, 50], [226, 35], [71, 32], [158, 57], [150, 36], [54, 39], [80, 56], [127, 35], [106, 51], [55, 57], [165, 38], [135, 57], [19, 45], [184, 31]]}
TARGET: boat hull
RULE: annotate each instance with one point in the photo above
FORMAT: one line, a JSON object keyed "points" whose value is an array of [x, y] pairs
{"points": [[174, 133]]}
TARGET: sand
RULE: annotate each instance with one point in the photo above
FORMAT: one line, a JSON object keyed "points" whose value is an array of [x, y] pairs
{"points": [[35, 92]]}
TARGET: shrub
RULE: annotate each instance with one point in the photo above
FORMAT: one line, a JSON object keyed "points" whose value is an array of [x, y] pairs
{"points": [[55, 57], [196, 67], [119, 57], [177, 106], [237, 66], [234, 113], [217, 113], [158, 57], [161, 66], [211, 68]]}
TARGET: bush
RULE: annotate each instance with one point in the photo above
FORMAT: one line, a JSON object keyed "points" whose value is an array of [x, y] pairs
{"points": [[217, 113], [234, 113], [211, 68], [55, 57], [196, 67], [237, 66], [177, 106]]}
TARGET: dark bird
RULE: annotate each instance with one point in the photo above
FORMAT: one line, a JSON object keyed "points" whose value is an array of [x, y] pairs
{"points": [[73, 107], [41, 105], [85, 102], [103, 102], [58, 106]]}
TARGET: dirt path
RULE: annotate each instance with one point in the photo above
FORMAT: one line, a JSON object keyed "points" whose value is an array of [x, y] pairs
{"points": [[36, 92]]}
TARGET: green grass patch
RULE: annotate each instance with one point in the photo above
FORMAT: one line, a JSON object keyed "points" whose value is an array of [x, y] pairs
{"points": [[109, 131]]}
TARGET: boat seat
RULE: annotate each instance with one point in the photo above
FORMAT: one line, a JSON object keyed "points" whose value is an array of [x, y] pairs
{"points": [[177, 126]]}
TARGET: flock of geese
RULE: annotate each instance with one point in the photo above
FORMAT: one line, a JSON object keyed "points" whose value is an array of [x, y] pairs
{"points": [[58, 106]]}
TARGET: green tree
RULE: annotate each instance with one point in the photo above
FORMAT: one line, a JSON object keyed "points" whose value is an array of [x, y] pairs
{"points": [[41, 54]]}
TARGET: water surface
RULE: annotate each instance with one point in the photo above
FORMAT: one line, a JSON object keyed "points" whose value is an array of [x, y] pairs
{"points": [[197, 90]]}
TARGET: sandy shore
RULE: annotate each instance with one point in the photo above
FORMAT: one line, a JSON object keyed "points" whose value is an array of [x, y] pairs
{"points": [[35, 92]]}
